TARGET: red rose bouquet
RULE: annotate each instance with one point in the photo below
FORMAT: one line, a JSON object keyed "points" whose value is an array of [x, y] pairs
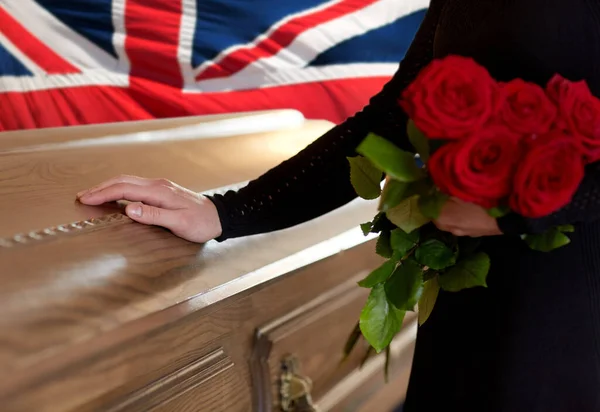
{"points": [[510, 147]]}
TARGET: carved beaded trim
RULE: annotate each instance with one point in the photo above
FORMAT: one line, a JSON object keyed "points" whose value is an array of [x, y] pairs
{"points": [[82, 226]]}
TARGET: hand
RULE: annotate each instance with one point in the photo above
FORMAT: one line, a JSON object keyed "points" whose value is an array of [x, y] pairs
{"points": [[466, 219], [160, 202]]}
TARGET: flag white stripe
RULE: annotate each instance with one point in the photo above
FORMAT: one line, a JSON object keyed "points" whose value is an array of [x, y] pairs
{"points": [[278, 78], [263, 36], [293, 76], [15, 51], [66, 42], [118, 19], [308, 45], [186, 40], [60, 81], [319, 39]]}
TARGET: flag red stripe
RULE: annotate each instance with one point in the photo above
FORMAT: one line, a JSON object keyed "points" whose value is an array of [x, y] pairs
{"points": [[282, 37], [152, 40], [68, 107], [337, 99], [32, 47]]}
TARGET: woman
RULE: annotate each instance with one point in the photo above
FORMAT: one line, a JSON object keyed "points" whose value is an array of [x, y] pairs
{"points": [[531, 340]]}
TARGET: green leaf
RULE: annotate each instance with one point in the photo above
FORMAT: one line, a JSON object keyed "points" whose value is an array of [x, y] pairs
{"points": [[419, 141], [431, 289], [403, 288], [393, 193], [407, 215], [469, 272], [379, 275], [432, 203], [383, 247], [419, 187], [566, 228], [396, 163], [366, 227], [397, 256], [351, 342], [403, 242], [499, 211], [435, 255], [380, 321], [380, 222], [365, 178], [547, 241]]}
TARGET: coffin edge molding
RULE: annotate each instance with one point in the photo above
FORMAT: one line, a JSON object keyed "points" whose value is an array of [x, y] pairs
{"points": [[244, 123], [69, 229], [86, 226], [175, 384]]}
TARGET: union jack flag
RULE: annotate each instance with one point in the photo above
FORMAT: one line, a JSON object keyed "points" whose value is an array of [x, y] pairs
{"points": [[71, 62]]}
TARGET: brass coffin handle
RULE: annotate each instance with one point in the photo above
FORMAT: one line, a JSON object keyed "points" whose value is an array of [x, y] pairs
{"points": [[294, 388]]}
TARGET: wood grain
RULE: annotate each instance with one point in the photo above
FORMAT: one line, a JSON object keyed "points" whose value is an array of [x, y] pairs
{"points": [[94, 373], [80, 290], [37, 190], [163, 392], [34, 137], [312, 333], [104, 314]]}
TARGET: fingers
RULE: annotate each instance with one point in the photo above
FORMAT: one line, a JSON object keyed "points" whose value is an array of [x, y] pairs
{"points": [[456, 231], [118, 179], [451, 217], [458, 201], [153, 195], [466, 219], [151, 215]]}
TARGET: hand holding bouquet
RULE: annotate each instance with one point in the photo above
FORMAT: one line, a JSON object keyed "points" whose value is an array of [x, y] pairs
{"points": [[510, 147]]}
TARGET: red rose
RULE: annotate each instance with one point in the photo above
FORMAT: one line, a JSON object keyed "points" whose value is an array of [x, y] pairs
{"points": [[547, 176], [579, 113], [451, 98], [478, 169], [527, 109]]}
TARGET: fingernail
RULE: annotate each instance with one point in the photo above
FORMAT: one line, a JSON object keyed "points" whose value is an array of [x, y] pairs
{"points": [[80, 194], [136, 211]]}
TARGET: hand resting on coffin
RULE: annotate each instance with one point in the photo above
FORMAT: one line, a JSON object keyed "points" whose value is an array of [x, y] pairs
{"points": [[160, 202]]}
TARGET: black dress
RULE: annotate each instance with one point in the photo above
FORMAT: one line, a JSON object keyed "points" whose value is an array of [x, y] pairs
{"points": [[531, 340]]}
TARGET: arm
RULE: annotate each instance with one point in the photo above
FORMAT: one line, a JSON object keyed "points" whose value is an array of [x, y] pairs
{"points": [[316, 180], [584, 207]]}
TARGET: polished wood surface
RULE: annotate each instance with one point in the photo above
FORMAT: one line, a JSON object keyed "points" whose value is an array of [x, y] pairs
{"points": [[38, 187], [53, 137], [104, 314]]}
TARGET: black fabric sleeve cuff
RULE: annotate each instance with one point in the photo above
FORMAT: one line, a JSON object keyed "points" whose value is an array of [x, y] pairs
{"points": [[222, 211]]}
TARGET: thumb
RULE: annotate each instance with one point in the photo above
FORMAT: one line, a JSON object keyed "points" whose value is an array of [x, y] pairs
{"points": [[458, 201], [151, 215]]}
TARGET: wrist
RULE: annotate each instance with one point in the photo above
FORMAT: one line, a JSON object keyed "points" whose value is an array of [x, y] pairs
{"points": [[217, 217]]}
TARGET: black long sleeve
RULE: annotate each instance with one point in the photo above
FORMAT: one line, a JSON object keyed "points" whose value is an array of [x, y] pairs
{"points": [[530, 341], [316, 180]]}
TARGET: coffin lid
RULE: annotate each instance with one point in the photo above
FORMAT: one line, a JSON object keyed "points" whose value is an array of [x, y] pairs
{"points": [[71, 273]]}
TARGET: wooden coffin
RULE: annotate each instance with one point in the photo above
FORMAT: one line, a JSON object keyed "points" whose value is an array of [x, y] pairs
{"points": [[103, 314]]}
